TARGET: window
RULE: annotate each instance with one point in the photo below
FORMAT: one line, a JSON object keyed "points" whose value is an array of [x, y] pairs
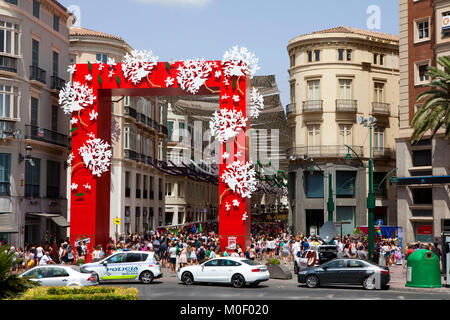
{"points": [[130, 138], [212, 263], [379, 138], [345, 134], [33, 178], [345, 89], [181, 130], [5, 173], [53, 272], [127, 184], [313, 135], [9, 38], [346, 214], [314, 90], [421, 158], [423, 69], [9, 101], [356, 263], [169, 189], [137, 220], [53, 176], [345, 184], [12, 1], [54, 120], [180, 190], [55, 22], [317, 55], [340, 54], [35, 53], [34, 111], [375, 58], [145, 186], [117, 258], [55, 63], [349, 54], [337, 264], [134, 257], [101, 57], [423, 30], [314, 184], [381, 59], [309, 53], [422, 196], [36, 8], [170, 130], [138, 185], [377, 178], [379, 92]]}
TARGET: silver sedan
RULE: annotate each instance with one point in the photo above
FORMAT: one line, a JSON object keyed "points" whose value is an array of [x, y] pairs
{"points": [[60, 275]]}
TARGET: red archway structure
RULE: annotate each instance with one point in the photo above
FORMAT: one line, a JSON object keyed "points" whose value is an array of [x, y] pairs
{"points": [[88, 100]]}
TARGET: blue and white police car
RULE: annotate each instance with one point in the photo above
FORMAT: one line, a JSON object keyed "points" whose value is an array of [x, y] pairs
{"points": [[126, 266]]}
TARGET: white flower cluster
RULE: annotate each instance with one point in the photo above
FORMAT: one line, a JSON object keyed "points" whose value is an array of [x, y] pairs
{"points": [[192, 74], [256, 103], [226, 124], [96, 155], [76, 97], [138, 65], [240, 177], [239, 62]]}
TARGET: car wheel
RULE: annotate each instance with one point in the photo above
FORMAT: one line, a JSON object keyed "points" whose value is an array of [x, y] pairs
{"points": [[146, 277], [187, 278], [238, 281], [295, 268], [312, 281], [369, 283]]}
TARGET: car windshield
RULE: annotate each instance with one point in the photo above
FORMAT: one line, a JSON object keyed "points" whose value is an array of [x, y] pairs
{"points": [[251, 262]]}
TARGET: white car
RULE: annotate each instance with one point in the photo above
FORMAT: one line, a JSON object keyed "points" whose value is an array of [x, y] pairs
{"points": [[60, 275], [237, 271], [314, 257], [126, 265]]}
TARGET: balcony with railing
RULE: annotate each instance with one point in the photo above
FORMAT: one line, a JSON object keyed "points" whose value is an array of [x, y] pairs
{"points": [[35, 133], [382, 153], [129, 111], [346, 105], [130, 154], [38, 74], [290, 109], [140, 117], [8, 64], [7, 127], [381, 108], [311, 106], [323, 151], [57, 83], [163, 129]]}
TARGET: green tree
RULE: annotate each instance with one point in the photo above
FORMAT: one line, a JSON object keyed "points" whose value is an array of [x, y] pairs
{"points": [[434, 113], [11, 285]]}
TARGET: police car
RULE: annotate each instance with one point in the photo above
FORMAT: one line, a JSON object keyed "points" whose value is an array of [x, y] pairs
{"points": [[126, 266]]}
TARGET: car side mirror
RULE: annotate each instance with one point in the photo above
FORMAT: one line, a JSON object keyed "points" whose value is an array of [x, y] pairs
{"points": [[105, 263]]}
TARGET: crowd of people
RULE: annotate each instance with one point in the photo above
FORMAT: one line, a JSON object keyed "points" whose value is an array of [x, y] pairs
{"points": [[187, 246]]}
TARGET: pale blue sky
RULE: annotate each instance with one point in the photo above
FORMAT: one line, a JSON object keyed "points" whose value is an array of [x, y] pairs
{"points": [[182, 29]]}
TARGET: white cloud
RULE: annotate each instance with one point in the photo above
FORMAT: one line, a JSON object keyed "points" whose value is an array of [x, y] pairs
{"points": [[198, 3]]}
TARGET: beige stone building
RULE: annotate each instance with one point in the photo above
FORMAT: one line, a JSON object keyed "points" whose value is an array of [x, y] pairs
{"points": [[139, 136], [34, 52], [423, 167], [336, 76]]}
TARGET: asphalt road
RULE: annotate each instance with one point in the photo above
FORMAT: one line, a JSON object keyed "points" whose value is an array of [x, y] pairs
{"points": [[169, 288]]}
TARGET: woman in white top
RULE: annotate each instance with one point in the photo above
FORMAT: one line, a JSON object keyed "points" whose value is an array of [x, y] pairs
{"points": [[193, 256], [97, 254], [183, 257]]}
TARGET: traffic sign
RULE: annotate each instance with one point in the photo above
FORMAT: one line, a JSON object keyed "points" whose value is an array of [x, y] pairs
{"points": [[117, 221], [379, 222]]}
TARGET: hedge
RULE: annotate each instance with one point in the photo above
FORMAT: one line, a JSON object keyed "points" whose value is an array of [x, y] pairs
{"points": [[80, 293]]}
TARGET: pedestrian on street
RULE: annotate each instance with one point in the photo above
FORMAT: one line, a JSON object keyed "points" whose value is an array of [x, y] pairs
{"points": [[46, 259]]}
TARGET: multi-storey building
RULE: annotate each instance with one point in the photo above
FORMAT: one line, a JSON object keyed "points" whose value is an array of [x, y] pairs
{"points": [[336, 76], [422, 202], [34, 51], [139, 135]]}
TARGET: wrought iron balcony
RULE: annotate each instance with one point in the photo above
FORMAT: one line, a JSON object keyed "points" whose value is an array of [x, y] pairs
{"points": [[381, 108], [382, 153], [346, 105], [38, 74], [129, 111], [8, 64], [290, 109], [7, 127], [57, 83], [323, 151], [141, 118], [310, 106], [163, 129], [130, 154], [35, 133]]}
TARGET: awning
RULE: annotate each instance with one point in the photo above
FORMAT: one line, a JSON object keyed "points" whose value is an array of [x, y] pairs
{"points": [[61, 221], [8, 223], [405, 181]]}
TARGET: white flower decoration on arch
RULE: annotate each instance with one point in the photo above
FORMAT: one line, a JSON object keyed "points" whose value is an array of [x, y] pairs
{"points": [[192, 74], [226, 124], [240, 177], [239, 62], [96, 155], [76, 97], [138, 65]]}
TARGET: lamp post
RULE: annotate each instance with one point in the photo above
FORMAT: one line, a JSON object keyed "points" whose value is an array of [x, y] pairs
{"points": [[370, 123]]}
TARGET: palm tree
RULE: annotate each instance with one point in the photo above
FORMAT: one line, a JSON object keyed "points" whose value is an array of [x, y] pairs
{"points": [[11, 285], [434, 113]]}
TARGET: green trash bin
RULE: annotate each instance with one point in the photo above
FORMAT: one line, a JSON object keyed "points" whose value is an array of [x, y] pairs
{"points": [[423, 270]]}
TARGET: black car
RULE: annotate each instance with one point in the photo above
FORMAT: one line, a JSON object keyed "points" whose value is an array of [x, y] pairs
{"points": [[345, 272]]}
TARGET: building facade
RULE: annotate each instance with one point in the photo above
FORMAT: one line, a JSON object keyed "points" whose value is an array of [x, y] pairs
{"points": [[424, 37], [139, 137], [34, 52], [336, 76]]}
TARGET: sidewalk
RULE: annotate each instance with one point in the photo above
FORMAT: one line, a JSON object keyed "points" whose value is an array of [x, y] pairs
{"points": [[398, 281]]}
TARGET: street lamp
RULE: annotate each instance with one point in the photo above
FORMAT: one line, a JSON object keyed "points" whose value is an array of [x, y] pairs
{"points": [[370, 123], [27, 156]]}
